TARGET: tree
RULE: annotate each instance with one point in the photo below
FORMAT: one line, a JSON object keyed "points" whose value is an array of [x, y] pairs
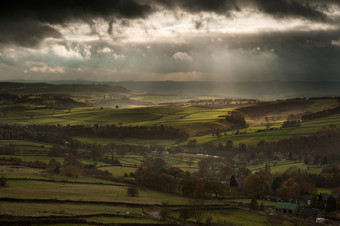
{"points": [[243, 172], [53, 166], [190, 162], [253, 204], [277, 181], [185, 214], [242, 147], [257, 185], [165, 210], [226, 171], [192, 142], [71, 171], [262, 206], [95, 155], [233, 182], [132, 191], [3, 181], [154, 163], [229, 145], [331, 204]]}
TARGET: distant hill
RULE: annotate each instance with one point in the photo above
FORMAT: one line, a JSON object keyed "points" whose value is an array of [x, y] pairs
{"points": [[265, 90], [64, 89], [34, 102]]}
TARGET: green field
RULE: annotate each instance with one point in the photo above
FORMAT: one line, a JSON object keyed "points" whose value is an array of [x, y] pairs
{"points": [[252, 137], [118, 170], [192, 119], [121, 220], [20, 172], [282, 166], [46, 159], [59, 209], [324, 190], [85, 192], [233, 216], [26, 146], [131, 141]]}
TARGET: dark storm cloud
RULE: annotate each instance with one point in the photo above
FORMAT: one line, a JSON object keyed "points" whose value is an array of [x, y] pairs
{"points": [[25, 32], [58, 12], [217, 6], [14, 15], [291, 8], [279, 8]]}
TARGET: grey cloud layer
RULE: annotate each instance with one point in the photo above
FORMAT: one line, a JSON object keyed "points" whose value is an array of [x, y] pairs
{"points": [[291, 56]]}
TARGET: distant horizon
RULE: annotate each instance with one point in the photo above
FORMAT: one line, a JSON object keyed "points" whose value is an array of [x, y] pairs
{"points": [[179, 81]]}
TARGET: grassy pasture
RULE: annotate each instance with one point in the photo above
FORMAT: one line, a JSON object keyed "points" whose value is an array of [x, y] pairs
{"points": [[252, 137], [192, 119], [24, 145], [233, 216], [118, 170], [46, 159], [32, 173], [85, 192], [324, 190], [121, 220], [131, 141], [282, 166], [60, 209], [265, 202], [91, 192]]}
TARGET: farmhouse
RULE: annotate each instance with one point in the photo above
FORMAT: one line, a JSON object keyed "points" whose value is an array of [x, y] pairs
{"points": [[285, 207], [325, 198], [307, 212]]}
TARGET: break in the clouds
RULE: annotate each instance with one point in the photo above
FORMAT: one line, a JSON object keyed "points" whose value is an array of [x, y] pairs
{"points": [[170, 39]]}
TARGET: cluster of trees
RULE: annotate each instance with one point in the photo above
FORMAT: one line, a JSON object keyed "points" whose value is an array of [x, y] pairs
{"points": [[325, 141], [210, 182], [291, 184], [237, 119], [111, 131], [291, 123], [3, 181], [154, 173], [48, 101], [320, 114], [328, 178]]}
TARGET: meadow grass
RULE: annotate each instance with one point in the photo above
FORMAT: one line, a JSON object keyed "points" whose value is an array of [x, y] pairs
{"points": [[59, 209], [19, 172], [282, 166], [130, 141], [252, 137], [324, 190], [85, 192], [233, 216], [121, 220], [46, 159], [26, 145], [118, 170]]}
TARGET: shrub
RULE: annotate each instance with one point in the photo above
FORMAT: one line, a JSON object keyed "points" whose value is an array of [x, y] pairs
{"points": [[132, 191], [3, 181]]}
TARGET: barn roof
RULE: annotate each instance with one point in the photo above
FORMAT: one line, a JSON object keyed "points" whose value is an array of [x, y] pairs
{"points": [[285, 205]]}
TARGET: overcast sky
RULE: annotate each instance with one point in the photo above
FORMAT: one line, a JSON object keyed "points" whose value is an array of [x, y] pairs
{"points": [[184, 40]]}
